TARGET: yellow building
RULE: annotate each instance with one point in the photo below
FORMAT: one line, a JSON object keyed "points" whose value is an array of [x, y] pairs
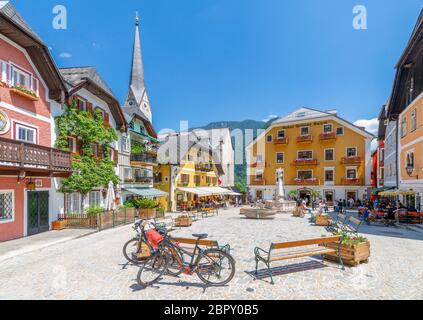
{"points": [[320, 154], [189, 171]]}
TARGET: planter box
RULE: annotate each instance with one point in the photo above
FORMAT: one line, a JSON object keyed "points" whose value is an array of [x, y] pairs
{"points": [[351, 256], [322, 220], [148, 213], [58, 225], [183, 221], [24, 94]]}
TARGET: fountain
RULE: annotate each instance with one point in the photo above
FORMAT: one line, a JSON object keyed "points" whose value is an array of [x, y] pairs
{"points": [[280, 204], [271, 208]]}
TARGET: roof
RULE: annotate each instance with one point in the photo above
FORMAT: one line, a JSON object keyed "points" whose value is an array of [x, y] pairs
{"points": [[14, 27], [382, 125], [87, 77], [178, 145], [135, 112]]}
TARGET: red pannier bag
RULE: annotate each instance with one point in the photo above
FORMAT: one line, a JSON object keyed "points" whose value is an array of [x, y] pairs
{"points": [[154, 238]]}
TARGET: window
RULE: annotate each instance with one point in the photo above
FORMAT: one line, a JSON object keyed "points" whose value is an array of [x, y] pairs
{"points": [[305, 175], [340, 131], [82, 105], [259, 158], [281, 134], [259, 175], [73, 203], [351, 152], [125, 143], [305, 131], [6, 206], [414, 120], [329, 175], [26, 134], [95, 199], [410, 90], [103, 113], [184, 178], [20, 78], [410, 160], [72, 144], [279, 157], [351, 173], [94, 148], [127, 174], [300, 114], [158, 177], [403, 127], [329, 154], [214, 181], [208, 180], [269, 138], [327, 128], [302, 155]]}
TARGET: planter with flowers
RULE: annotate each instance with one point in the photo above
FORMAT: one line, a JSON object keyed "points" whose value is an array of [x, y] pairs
{"points": [[24, 92], [353, 249]]}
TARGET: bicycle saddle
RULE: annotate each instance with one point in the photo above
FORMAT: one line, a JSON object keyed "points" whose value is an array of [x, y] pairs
{"points": [[200, 236]]}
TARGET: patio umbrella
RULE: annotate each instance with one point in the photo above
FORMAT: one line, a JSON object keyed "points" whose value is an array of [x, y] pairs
{"points": [[111, 197]]}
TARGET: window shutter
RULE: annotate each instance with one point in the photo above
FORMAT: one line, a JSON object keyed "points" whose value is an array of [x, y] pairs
{"points": [[115, 156], [100, 151], [106, 118], [79, 146], [90, 108]]}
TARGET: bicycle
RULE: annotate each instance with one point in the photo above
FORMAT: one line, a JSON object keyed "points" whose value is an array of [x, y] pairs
{"points": [[207, 263], [140, 243]]}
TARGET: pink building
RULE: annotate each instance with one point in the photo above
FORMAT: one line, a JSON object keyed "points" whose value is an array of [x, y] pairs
{"points": [[30, 87]]}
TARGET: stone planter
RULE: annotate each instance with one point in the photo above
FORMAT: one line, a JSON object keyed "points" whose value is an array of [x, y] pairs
{"points": [[351, 255], [183, 221], [58, 225], [322, 220]]}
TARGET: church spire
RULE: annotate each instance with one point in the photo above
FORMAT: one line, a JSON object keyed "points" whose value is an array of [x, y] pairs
{"points": [[137, 93]]}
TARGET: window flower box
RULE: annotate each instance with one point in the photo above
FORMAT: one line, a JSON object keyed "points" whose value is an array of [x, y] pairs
{"points": [[26, 93], [305, 138]]}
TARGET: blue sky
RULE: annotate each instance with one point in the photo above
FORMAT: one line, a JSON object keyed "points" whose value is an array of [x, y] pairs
{"points": [[212, 60]]}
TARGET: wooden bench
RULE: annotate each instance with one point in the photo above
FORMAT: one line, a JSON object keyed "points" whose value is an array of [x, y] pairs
{"points": [[315, 247], [338, 224], [209, 212], [351, 225], [166, 222]]}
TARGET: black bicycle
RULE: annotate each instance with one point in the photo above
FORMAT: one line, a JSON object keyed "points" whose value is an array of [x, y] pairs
{"points": [[214, 267]]}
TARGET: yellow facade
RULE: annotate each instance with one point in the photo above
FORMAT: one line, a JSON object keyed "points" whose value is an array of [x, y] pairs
{"points": [[335, 175], [411, 145], [188, 174]]}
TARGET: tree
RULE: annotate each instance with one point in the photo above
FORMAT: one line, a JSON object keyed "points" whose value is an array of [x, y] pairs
{"points": [[89, 171]]}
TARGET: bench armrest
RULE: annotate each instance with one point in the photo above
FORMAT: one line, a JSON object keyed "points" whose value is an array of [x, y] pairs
{"points": [[257, 251]]}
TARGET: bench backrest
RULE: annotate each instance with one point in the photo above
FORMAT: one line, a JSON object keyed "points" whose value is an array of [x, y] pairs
{"points": [[341, 217], [353, 224], [302, 243], [205, 243]]}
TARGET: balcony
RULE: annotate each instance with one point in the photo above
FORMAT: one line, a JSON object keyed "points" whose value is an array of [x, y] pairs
{"points": [[282, 141], [204, 167], [26, 159], [305, 139], [258, 165], [306, 182], [351, 160], [351, 182], [327, 136], [258, 181], [143, 159], [305, 162]]}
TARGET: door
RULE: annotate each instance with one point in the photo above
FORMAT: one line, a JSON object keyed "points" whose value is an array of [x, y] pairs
{"points": [[329, 197], [259, 195], [38, 212], [305, 195]]}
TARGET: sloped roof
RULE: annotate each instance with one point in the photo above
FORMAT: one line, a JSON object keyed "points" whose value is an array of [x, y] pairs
{"points": [[14, 27]]}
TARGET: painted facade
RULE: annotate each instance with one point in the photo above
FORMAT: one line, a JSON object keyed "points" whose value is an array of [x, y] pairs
{"points": [[317, 151]]}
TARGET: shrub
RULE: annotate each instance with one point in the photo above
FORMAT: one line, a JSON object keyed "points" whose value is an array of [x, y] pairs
{"points": [[94, 211]]}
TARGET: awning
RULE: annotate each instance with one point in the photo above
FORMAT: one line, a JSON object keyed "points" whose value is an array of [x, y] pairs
{"points": [[235, 194], [408, 192], [206, 191], [389, 193], [377, 191], [147, 192]]}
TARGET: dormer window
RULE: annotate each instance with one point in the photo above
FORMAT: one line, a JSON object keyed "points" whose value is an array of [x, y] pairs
{"points": [[300, 114]]}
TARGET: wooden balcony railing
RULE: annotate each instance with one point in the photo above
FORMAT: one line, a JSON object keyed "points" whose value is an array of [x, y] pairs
{"points": [[33, 159], [306, 182], [305, 162], [351, 182], [307, 138], [351, 160], [281, 141], [204, 167], [327, 136]]}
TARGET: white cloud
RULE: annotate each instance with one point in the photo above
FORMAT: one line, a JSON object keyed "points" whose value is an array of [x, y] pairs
{"points": [[270, 117], [65, 55], [372, 126]]}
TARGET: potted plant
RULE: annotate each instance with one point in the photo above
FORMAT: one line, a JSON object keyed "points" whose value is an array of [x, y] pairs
{"points": [[354, 249]]}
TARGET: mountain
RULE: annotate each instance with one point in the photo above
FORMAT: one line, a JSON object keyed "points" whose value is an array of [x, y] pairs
{"points": [[240, 169]]}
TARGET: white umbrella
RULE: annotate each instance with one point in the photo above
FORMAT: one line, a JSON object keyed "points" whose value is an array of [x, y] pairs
{"points": [[111, 197]]}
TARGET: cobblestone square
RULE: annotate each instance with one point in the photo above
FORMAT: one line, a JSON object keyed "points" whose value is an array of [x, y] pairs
{"points": [[93, 267]]}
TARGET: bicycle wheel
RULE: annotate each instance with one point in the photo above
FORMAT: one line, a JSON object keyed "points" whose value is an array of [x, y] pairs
{"points": [[132, 248], [215, 267], [173, 267], [153, 268]]}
